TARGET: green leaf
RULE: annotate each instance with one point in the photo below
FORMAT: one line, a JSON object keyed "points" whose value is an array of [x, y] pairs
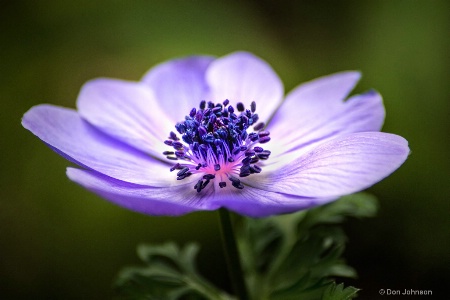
{"points": [[297, 255], [170, 274], [338, 292]]}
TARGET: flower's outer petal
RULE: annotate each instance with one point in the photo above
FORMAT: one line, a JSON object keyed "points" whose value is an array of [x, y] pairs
{"points": [[338, 167], [316, 111], [179, 84], [243, 77], [76, 140], [127, 111], [167, 201], [253, 202]]}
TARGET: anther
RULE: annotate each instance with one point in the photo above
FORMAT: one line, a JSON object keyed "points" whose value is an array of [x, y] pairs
{"points": [[183, 171], [173, 136], [177, 166], [198, 186], [264, 139], [258, 149], [205, 183], [199, 116], [168, 152], [254, 160], [258, 126], [240, 106], [246, 160], [253, 106], [250, 153], [253, 136], [234, 179], [255, 169], [187, 174], [179, 154], [244, 171], [264, 154], [177, 145], [201, 131], [216, 167], [213, 119], [180, 127], [216, 109], [222, 184], [237, 185], [263, 133]]}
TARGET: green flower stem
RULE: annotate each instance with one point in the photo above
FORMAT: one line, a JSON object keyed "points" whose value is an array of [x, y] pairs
{"points": [[232, 255]]}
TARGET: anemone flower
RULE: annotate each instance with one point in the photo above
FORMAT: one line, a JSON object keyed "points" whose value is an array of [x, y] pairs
{"points": [[201, 133]]}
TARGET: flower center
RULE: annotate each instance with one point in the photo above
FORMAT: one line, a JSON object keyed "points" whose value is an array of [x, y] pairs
{"points": [[216, 144]]}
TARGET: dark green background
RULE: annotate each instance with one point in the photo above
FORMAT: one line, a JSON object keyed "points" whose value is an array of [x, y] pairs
{"points": [[58, 241]]}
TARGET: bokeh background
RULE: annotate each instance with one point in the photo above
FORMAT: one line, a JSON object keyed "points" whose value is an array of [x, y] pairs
{"points": [[58, 241]]}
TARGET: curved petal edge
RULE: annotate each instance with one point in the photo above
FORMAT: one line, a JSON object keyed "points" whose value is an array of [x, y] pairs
{"points": [[338, 167]]}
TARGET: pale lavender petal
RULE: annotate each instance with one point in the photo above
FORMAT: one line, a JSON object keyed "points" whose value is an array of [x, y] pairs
{"points": [[167, 201], [254, 202], [338, 167], [316, 110], [359, 113], [243, 77], [72, 137], [179, 85], [127, 111]]}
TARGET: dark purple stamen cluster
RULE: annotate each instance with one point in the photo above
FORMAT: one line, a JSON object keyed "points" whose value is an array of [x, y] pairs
{"points": [[215, 135]]}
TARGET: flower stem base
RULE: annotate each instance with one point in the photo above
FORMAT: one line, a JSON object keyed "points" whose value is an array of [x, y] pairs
{"points": [[232, 255]]}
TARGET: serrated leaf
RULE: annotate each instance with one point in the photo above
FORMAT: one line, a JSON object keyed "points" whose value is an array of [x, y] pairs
{"points": [[338, 292], [295, 256], [170, 274]]}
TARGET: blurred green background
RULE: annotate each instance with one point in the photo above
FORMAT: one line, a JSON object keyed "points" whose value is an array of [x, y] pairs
{"points": [[58, 241]]}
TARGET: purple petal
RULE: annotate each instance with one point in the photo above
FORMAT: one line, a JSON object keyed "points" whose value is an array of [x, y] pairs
{"points": [[254, 202], [338, 167], [127, 111], [316, 111], [179, 85], [166, 201], [243, 77], [72, 137]]}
